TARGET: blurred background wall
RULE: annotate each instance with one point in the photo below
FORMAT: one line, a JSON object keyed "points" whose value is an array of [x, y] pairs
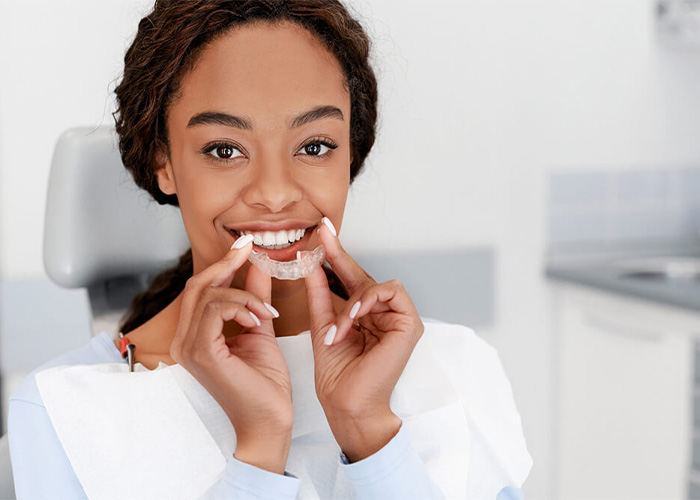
{"points": [[481, 101]]}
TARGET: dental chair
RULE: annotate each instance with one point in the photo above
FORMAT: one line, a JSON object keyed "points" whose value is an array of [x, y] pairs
{"points": [[103, 233]]}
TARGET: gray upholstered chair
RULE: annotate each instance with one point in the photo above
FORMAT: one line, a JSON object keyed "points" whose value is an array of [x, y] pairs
{"points": [[102, 233], [7, 485]]}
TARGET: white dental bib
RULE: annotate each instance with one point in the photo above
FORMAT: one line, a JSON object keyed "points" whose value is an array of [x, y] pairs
{"points": [[155, 434]]}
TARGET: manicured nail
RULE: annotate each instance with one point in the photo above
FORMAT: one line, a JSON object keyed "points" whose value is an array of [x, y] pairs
{"points": [[242, 241], [298, 255], [330, 335], [329, 225], [355, 308], [272, 310], [257, 321]]}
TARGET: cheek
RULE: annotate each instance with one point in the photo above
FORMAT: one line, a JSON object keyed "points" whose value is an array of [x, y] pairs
{"points": [[203, 196], [328, 192]]}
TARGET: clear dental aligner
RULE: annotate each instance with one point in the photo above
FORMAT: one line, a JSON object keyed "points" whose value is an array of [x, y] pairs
{"points": [[305, 264]]}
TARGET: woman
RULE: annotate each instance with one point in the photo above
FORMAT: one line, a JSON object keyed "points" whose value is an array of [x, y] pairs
{"points": [[254, 117]]}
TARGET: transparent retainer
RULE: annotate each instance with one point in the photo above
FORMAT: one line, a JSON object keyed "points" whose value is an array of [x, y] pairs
{"points": [[305, 264]]}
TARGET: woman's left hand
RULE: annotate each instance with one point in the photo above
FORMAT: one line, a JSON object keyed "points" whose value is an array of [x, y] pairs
{"points": [[357, 373]]}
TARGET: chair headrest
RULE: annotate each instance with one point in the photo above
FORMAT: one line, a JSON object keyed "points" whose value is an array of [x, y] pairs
{"points": [[99, 225]]}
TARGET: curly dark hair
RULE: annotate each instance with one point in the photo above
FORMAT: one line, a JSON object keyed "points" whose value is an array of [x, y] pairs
{"points": [[166, 46]]}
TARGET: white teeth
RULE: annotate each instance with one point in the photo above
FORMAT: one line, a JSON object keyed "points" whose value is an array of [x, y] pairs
{"points": [[281, 238], [276, 239], [269, 239]]}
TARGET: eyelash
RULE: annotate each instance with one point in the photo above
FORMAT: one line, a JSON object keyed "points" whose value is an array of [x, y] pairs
{"points": [[220, 144]]}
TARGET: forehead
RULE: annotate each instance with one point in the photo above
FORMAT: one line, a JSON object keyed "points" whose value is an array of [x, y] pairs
{"points": [[265, 71]]}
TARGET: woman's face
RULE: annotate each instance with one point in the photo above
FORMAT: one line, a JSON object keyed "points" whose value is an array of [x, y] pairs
{"points": [[259, 142]]}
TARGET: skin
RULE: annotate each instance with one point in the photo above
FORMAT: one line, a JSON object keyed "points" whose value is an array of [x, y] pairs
{"points": [[269, 74]]}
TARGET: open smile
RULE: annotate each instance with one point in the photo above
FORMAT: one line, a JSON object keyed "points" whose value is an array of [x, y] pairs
{"points": [[280, 244]]}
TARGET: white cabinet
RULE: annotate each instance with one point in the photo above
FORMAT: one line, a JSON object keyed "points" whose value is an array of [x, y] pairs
{"points": [[625, 393]]}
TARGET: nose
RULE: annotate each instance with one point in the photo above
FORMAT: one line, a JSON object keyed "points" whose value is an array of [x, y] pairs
{"points": [[273, 186]]}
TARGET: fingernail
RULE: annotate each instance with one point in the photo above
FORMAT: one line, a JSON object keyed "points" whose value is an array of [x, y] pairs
{"points": [[330, 335], [257, 321], [298, 255], [272, 310], [242, 241], [355, 308], [329, 225]]}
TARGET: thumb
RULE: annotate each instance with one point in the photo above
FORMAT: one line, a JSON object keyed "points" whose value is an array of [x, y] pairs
{"points": [[321, 310]]}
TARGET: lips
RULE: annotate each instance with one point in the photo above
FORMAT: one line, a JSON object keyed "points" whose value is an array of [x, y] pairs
{"points": [[263, 233]]}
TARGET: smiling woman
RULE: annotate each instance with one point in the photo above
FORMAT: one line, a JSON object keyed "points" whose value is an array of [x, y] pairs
{"points": [[247, 150], [264, 134], [254, 117]]}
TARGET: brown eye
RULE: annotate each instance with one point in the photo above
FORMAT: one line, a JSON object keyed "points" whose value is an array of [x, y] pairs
{"points": [[312, 149], [318, 148], [225, 152]]}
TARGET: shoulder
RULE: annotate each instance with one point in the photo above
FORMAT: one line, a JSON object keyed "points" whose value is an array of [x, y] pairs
{"points": [[97, 350], [472, 364], [474, 367], [454, 339]]}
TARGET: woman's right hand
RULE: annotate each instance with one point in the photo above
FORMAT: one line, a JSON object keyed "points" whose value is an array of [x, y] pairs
{"points": [[246, 374]]}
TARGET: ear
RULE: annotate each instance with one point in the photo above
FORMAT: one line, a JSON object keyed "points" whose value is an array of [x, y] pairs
{"points": [[166, 178]]}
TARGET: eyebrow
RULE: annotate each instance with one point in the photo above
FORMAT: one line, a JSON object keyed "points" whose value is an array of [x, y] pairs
{"points": [[221, 118]]}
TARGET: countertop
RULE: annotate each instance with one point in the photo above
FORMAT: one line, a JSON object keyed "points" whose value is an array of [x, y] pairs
{"points": [[604, 268]]}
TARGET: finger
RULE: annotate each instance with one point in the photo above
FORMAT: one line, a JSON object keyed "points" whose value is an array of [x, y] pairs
{"points": [[218, 294], [220, 273], [386, 297], [212, 322], [321, 310], [350, 272], [260, 285]]}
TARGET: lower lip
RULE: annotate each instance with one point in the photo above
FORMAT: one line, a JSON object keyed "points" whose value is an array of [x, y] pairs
{"points": [[284, 254]]}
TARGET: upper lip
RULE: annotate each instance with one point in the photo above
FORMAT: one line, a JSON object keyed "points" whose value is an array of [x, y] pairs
{"points": [[272, 226]]}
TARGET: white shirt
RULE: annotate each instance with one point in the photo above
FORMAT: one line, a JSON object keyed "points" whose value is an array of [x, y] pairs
{"points": [[497, 455]]}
